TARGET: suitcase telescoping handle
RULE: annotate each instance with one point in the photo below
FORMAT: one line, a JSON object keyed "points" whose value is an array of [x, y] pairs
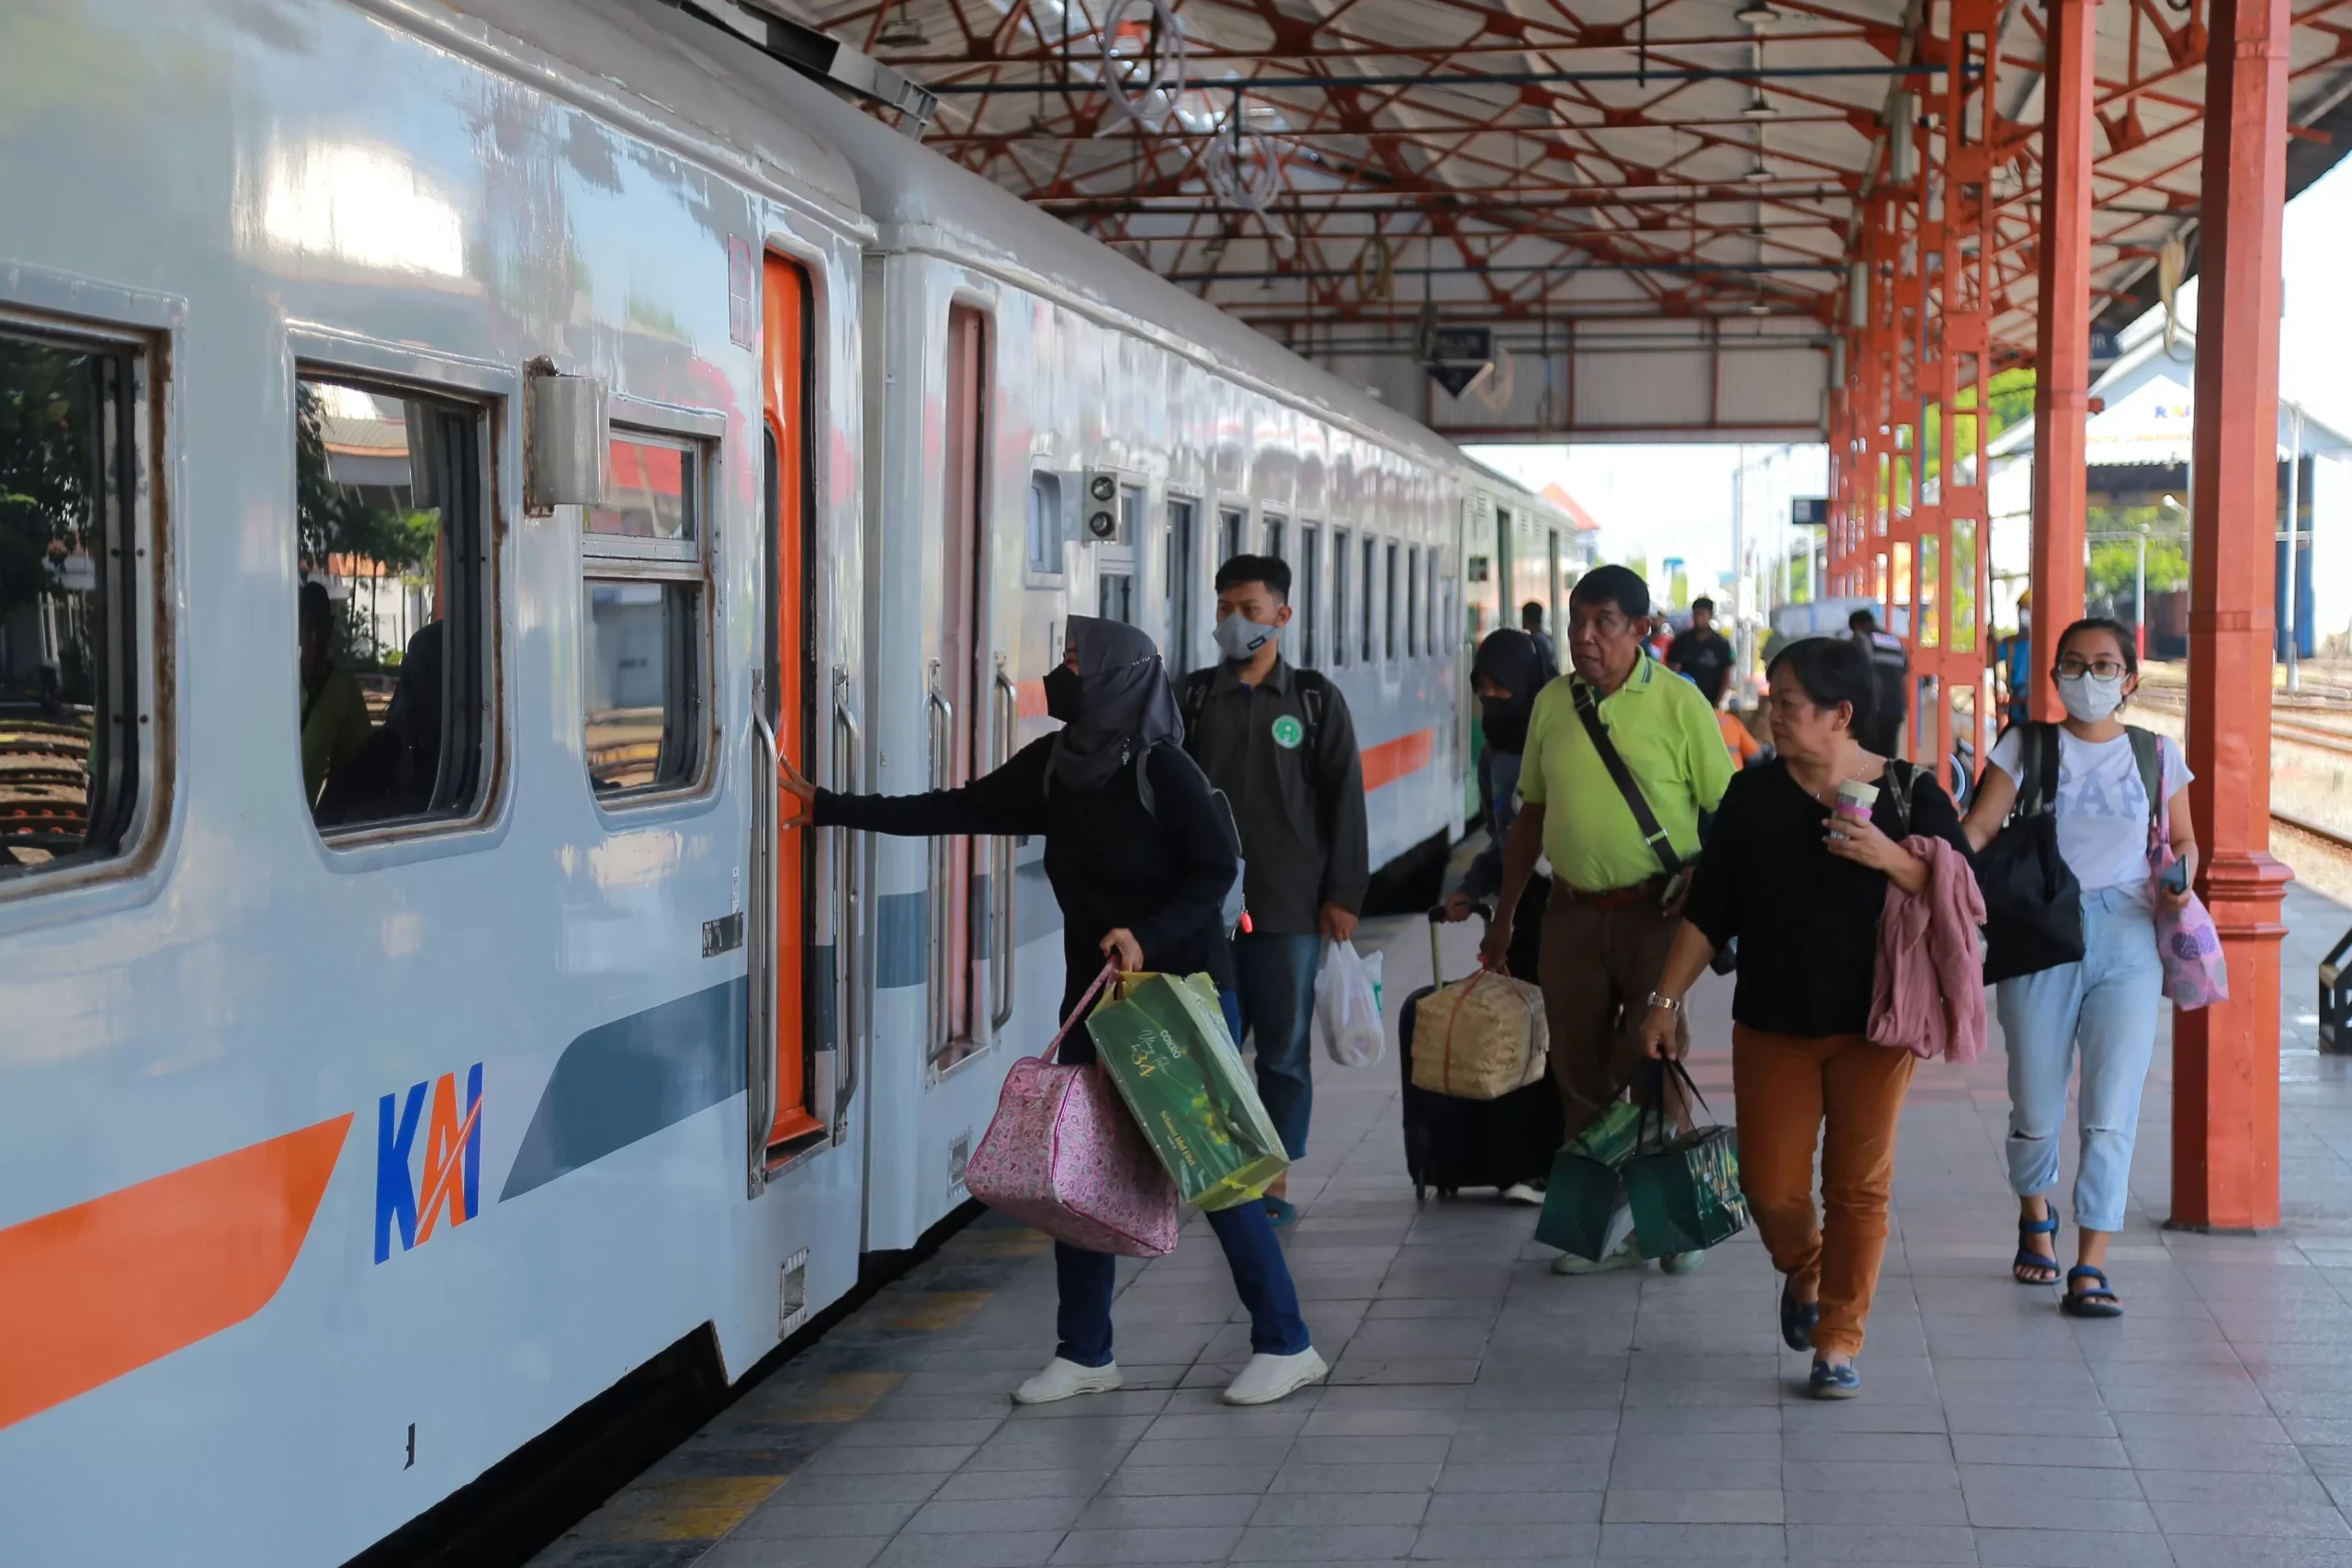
{"points": [[1485, 914]]}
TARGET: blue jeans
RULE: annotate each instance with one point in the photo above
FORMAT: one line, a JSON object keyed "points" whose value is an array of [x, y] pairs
{"points": [[2105, 1009], [1276, 976], [1261, 1273]]}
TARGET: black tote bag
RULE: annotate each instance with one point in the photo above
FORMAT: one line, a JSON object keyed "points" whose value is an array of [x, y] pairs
{"points": [[2033, 906]]}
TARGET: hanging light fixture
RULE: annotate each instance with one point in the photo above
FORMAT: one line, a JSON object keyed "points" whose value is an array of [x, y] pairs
{"points": [[903, 31], [1758, 107], [1758, 15], [1759, 174]]}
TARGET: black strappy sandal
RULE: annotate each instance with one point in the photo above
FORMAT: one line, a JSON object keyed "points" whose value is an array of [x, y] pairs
{"points": [[2029, 1259], [2095, 1301]]}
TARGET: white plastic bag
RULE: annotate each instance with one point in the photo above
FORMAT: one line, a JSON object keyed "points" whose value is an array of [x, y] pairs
{"points": [[1347, 1007]]}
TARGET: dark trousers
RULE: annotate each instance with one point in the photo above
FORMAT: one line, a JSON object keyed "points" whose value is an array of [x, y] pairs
{"points": [[1276, 976], [1261, 1273]]}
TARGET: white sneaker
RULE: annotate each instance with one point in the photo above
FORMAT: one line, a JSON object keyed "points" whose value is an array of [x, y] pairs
{"points": [[1269, 1378], [1521, 1192], [1066, 1380], [1625, 1257]]}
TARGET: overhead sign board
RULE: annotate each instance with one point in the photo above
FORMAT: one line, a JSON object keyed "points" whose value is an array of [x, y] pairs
{"points": [[1809, 511]]}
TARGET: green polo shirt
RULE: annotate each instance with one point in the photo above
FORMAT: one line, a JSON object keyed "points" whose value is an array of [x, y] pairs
{"points": [[1666, 731]]}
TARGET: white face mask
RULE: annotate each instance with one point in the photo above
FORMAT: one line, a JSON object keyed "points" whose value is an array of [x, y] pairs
{"points": [[1238, 636], [2088, 697]]}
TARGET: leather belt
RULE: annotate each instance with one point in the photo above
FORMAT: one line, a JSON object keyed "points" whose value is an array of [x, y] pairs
{"points": [[1652, 890]]}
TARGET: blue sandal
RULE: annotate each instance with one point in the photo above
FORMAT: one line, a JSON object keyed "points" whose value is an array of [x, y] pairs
{"points": [[1797, 1319], [1833, 1382], [2095, 1301], [2029, 1259]]}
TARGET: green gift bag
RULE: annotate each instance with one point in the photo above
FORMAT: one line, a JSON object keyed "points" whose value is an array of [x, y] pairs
{"points": [[1684, 1190], [1585, 1212], [1163, 1041]]}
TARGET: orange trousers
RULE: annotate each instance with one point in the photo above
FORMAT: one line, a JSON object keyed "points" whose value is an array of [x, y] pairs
{"points": [[1789, 1088]]}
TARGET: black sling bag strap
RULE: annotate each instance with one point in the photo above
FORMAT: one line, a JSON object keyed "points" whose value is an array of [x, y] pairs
{"points": [[1589, 710]]}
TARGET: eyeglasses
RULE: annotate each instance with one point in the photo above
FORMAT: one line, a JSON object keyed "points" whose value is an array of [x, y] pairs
{"points": [[2075, 669]]}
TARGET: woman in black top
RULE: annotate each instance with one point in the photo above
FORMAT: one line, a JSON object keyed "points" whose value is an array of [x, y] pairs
{"points": [[1801, 886], [1142, 882]]}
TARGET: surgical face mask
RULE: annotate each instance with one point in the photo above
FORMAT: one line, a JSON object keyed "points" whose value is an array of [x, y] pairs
{"points": [[1239, 637], [2089, 698], [1064, 694]]}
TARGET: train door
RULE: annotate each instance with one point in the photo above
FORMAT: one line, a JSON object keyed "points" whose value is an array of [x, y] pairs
{"points": [[1181, 583], [792, 990], [954, 692]]}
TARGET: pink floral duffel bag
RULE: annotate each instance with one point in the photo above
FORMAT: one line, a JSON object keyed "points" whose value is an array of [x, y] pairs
{"points": [[2196, 973], [1064, 1156]]}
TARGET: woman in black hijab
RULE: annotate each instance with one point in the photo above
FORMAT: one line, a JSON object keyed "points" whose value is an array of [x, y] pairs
{"points": [[1141, 882]]}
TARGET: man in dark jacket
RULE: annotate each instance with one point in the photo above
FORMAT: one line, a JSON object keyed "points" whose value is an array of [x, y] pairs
{"points": [[1278, 740], [1703, 653], [1890, 662]]}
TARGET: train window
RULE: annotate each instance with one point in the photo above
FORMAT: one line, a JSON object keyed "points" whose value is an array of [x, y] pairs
{"points": [[1275, 542], [1388, 604], [1045, 524], [642, 608], [391, 544], [1340, 556], [1434, 603], [1308, 583], [1232, 526], [1363, 617], [1412, 599], [71, 654]]}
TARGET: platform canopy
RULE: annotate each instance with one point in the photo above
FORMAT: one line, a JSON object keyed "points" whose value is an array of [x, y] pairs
{"points": [[1336, 172]]}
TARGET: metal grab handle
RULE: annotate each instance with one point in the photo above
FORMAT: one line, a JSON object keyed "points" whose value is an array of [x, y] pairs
{"points": [[852, 936], [761, 940], [942, 715], [1000, 866]]}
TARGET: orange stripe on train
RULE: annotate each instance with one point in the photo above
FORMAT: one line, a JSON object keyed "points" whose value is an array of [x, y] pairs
{"points": [[103, 1288], [1392, 760]]}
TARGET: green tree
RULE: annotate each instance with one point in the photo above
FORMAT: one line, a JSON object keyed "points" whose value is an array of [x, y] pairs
{"points": [[2115, 567], [330, 521], [45, 464]]}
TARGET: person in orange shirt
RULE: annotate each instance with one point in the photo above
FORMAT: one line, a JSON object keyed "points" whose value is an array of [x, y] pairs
{"points": [[1746, 750]]}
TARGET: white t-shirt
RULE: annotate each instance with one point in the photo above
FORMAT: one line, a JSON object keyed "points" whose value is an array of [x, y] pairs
{"points": [[2102, 809]]}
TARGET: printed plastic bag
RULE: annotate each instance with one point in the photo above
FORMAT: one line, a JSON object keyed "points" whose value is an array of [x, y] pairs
{"points": [[1164, 1042], [1347, 1007], [1585, 1212]]}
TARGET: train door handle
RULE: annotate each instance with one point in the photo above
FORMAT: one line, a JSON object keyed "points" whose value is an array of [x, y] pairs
{"points": [[1001, 867]]}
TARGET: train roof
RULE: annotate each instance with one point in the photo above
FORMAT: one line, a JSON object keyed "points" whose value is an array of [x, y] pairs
{"points": [[800, 134]]}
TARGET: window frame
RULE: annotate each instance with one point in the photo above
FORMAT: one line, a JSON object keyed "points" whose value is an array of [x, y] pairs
{"points": [[143, 330], [1034, 573], [606, 558], [1342, 541]]}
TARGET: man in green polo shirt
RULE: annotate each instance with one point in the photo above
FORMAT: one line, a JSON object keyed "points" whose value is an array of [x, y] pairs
{"points": [[1614, 910]]}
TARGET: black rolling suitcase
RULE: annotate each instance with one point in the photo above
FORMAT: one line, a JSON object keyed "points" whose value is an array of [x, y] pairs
{"points": [[1451, 1144]]}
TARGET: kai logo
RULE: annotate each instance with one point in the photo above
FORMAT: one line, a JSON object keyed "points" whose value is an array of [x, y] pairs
{"points": [[415, 1196]]}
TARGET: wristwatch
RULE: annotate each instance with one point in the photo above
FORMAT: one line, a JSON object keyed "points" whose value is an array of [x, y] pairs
{"points": [[1671, 1004]]}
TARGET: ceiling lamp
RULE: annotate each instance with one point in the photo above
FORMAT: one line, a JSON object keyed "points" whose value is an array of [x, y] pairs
{"points": [[1756, 307], [903, 31], [1755, 15], [1759, 174], [1758, 107]]}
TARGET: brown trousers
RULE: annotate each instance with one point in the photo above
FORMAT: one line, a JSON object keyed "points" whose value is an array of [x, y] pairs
{"points": [[1789, 1087], [1597, 967]]}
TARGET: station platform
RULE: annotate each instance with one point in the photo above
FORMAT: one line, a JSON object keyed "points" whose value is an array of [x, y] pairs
{"points": [[1482, 1409]]}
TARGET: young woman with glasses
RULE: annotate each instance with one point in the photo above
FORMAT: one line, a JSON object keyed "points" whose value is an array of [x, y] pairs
{"points": [[2103, 1007]]}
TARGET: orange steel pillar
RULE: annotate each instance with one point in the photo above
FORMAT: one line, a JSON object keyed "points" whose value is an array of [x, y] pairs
{"points": [[2062, 346], [2225, 1058]]}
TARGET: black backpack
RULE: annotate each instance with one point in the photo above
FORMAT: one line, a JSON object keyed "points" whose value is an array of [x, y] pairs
{"points": [[1314, 694], [1235, 905], [2033, 906]]}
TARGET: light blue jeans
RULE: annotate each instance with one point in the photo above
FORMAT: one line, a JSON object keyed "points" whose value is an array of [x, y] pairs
{"points": [[2105, 1010]]}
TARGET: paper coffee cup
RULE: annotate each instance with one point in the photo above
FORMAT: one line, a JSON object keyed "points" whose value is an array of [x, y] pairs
{"points": [[1856, 797]]}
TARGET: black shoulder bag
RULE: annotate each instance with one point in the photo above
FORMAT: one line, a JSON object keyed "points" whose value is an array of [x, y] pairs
{"points": [[1726, 957], [2033, 906]]}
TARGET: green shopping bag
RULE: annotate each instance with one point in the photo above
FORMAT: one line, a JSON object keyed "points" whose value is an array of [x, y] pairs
{"points": [[1163, 1041], [1684, 1190], [1585, 1212]]}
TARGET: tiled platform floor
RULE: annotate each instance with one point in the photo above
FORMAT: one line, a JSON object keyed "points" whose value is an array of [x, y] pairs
{"points": [[1482, 1410]]}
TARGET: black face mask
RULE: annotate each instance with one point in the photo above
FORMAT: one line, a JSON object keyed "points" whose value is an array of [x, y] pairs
{"points": [[1064, 694], [1497, 710]]}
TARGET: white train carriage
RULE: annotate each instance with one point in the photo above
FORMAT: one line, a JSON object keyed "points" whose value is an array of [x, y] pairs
{"points": [[658, 413]]}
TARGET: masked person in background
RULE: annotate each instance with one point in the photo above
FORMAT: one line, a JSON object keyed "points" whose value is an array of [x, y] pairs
{"points": [[1143, 886], [2103, 1007], [1278, 740]]}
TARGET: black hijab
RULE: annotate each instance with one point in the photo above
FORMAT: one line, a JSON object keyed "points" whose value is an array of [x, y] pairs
{"points": [[1122, 705], [1511, 661]]}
